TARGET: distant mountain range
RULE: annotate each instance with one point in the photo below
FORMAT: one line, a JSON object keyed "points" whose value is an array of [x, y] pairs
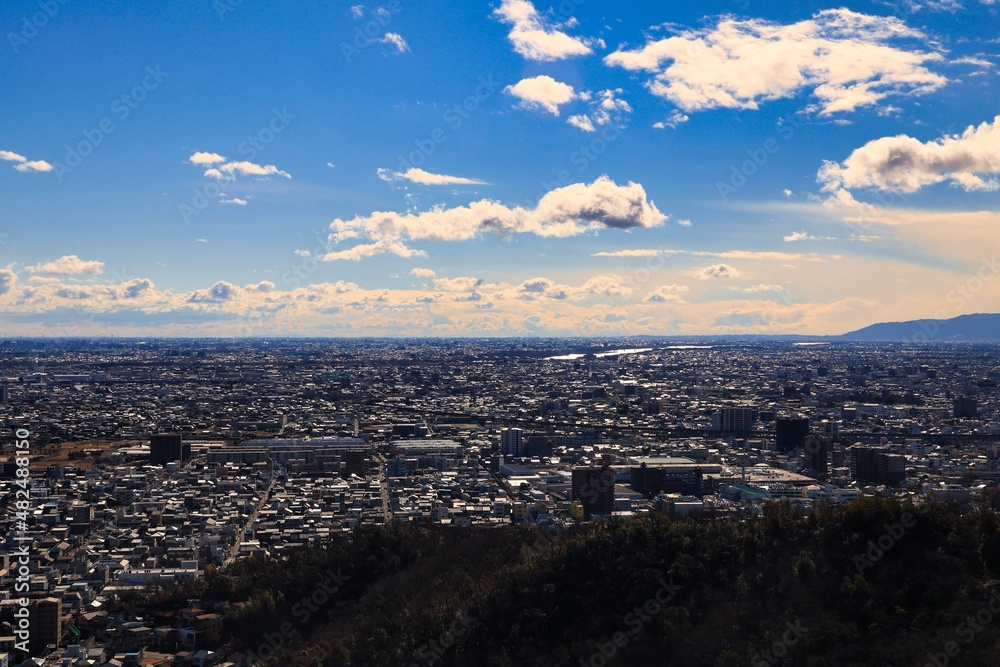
{"points": [[977, 328]]}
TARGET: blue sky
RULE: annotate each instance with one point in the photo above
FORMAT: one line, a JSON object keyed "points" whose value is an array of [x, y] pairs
{"points": [[504, 168]]}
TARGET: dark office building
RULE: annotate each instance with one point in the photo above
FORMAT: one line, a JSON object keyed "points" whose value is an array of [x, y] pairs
{"points": [[817, 455], [652, 480], [409, 430], [737, 419], [790, 433], [965, 407], [595, 488], [46, 624], [537, 445], [166, 448], [354, 463], [877, 465]]}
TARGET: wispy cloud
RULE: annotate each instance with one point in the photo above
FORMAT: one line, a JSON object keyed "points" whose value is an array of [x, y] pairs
{"points": [[23, 164], [422, 177], [396, 40], [225, 170]]}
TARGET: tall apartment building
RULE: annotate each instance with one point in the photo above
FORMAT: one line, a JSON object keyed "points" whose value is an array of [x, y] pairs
{"points": [[512, 442], [166, 448], [791, 432], [594, 488], [877, 465], [46, 624], [817, 455], [739, 419]]}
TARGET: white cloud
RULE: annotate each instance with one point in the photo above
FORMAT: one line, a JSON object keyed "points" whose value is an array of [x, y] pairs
{"points": [[914, 6], [201, 240], [460, 284], [396, 40], [202, 157], [421, 177], [562, 212], [381, 247], [422, 273], [227, 171], [583, 122], [803, 236], [673, 120], [7, 281], [34, 165], [638, 252], [23, 164], [220, 291], [331, 165], [535, 38], [754, 289], [551, 304], [904, 164], [685, 223], [767, 255], [607, 108], [542, 92], [717, 271], [846, 59], [666, 294], [357, 11], [68, 265], [537, 288], [235, 201], [135, 288]]}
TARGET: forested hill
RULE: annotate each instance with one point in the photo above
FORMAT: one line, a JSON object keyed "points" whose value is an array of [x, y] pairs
{"points": [[874, 583]]}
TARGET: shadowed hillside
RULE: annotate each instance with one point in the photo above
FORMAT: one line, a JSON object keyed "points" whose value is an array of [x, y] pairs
{"points": [[873, 583]]}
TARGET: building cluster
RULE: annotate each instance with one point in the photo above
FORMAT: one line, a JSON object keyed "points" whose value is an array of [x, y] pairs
{"points": [[155, 460]]}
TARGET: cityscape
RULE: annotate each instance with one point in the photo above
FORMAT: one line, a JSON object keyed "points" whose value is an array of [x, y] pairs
{"points": [[156, 461]]}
